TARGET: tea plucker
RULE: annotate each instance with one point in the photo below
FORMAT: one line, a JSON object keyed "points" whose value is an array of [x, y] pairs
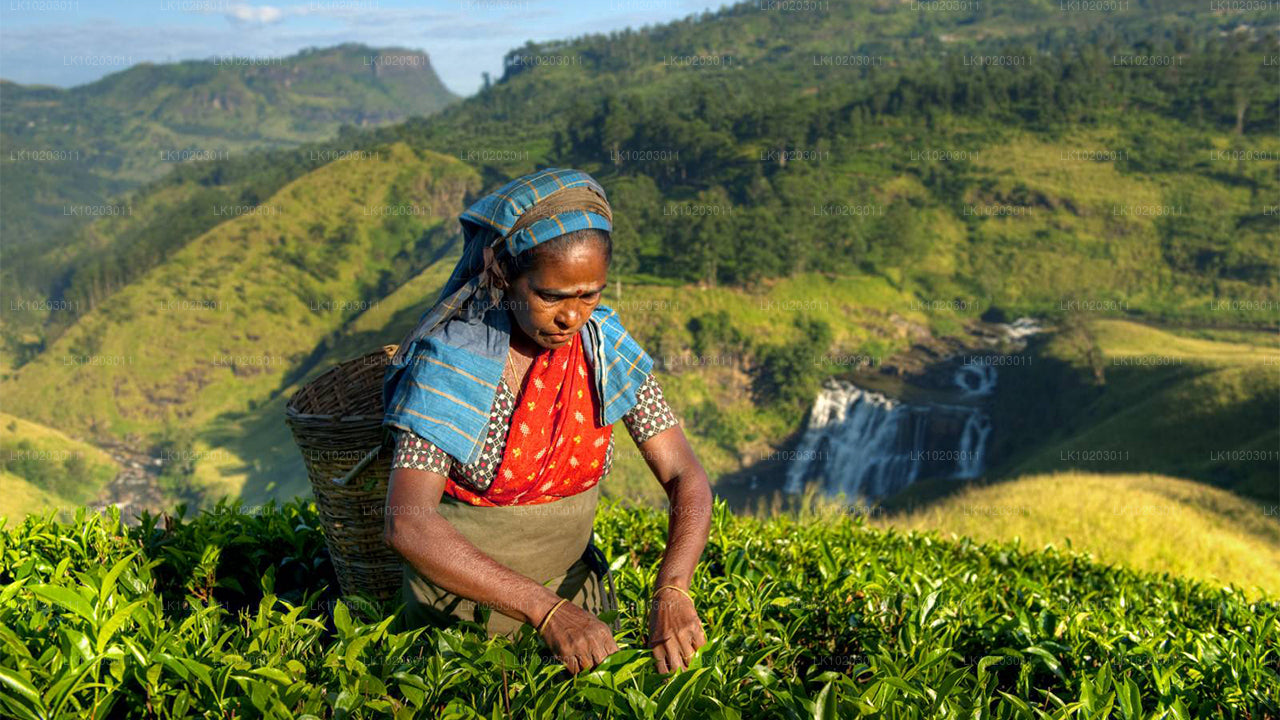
{"points": [[503, 399]]}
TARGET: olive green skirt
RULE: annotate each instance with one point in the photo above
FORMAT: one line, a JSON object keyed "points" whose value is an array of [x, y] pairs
{"points": [[549, 543]]}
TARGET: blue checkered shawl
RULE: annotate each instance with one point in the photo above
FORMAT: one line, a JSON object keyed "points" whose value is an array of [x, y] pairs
{"points": [[442, 381]]}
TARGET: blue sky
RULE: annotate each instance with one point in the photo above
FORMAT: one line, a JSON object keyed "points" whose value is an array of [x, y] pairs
{"points": [[70, 42]]}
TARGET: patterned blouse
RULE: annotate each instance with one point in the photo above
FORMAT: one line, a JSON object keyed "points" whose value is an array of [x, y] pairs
{"points": [[650, 416]]}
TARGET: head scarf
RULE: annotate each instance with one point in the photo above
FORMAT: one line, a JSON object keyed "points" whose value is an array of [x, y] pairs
{"points": [[442, 379], [521, 214]]}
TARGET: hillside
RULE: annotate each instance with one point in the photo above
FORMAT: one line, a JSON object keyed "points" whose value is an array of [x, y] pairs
{"points": [[842, 209], [798, 196], [743, 145], [42, 469], [804, 618], [737, 152], [252, 455], [219, 326], [71, 153], [1150, 523], [1120, 397]]}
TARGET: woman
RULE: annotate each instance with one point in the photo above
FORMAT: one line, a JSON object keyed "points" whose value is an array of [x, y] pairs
{"points": [[504, 398]]}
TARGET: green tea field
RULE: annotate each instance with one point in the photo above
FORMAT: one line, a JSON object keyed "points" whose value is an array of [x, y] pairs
{"points": [[231, 614]]}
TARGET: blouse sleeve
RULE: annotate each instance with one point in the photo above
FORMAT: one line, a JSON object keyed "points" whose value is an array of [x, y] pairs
{"points": [[651, 413], [418, 453]]}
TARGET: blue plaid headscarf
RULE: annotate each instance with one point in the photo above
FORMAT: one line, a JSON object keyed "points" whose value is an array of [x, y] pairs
{"points": [[443, 378]]}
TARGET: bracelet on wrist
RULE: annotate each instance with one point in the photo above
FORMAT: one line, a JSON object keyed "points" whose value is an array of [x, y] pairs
{"points": [[551, 612], [676, 588]]}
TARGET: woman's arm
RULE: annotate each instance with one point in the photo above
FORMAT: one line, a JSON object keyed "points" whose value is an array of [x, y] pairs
{"points": [[436, 549], [657, 433], [674, 627], [673, 463]]}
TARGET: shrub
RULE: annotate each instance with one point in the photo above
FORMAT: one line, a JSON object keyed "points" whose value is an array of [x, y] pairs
{"points": [[787, 375]]}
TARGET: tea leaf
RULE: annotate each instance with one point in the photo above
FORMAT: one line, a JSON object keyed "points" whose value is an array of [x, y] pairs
{"points": [[65, 598]]}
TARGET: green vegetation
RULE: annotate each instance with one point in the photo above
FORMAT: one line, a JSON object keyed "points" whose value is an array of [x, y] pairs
{"points": [[1068, 175], [225, 322], [789, 193], [252, 455], [1064, 177], [232, 613], [41, 468], [87, 146], [725, 355], [797, 213], [1144, 522], [788, 374]]}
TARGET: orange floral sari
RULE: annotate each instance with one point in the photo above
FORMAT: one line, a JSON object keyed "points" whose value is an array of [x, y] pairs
{"points": [[554, 448]]}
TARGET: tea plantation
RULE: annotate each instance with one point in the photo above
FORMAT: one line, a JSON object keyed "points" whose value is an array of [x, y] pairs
{"points": [[232, 614]]}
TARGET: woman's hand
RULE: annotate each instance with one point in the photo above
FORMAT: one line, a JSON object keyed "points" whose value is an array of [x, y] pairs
{"points": [[579, 639], [675, 631]]}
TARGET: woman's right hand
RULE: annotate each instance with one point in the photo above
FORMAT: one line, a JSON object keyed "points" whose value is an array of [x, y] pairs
{"points": [[579, 639]]}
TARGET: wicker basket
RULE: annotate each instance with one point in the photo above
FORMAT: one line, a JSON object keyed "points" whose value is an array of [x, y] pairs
{"points": [[336, 421]]}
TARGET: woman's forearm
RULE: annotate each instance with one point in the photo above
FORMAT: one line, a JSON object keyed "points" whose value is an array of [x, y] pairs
{"points": [[436, 549], [688, 524]]}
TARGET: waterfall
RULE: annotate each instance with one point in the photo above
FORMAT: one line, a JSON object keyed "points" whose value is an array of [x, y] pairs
{"points": [[973, 446], [975, 380], [869, 446]]}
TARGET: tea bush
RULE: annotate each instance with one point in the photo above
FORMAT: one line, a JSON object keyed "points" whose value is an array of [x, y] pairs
{"points": [[233, 614]]}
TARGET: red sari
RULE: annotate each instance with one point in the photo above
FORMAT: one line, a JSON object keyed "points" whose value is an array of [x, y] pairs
{"points": [[554, 447]]}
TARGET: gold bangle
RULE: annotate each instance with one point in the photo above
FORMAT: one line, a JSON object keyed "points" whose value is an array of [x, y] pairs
{"points": [[673, 587], [551, 612]]}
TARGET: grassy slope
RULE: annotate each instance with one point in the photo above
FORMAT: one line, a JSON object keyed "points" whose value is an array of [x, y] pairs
{"points": [[256, 289], [253, 455], [1208, 392], [20, 496], [1075, 243], [1145, 522], [133, 126], [1194, 403]]}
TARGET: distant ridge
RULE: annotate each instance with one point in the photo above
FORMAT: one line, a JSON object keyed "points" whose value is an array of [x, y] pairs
{"points": [[70, 152]]}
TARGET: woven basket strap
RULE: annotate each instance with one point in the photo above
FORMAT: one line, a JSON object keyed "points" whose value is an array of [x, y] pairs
{"points": [[369, 457]]}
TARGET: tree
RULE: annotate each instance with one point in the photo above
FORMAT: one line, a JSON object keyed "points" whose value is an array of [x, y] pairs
{"points": [[787, 375]]}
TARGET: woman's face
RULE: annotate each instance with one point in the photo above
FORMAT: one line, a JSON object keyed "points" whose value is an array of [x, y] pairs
{"points": [[552, 301]]}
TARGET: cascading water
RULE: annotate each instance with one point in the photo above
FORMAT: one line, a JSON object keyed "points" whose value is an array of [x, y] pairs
{"points": [[973, 446], [975, 380], [869, 446], [859, 441]]}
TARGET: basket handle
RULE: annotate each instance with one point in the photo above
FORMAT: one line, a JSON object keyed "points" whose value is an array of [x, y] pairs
{"points": [[360, 466]]}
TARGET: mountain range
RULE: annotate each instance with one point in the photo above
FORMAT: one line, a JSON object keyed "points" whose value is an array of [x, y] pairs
{"points": [[72, 155]]}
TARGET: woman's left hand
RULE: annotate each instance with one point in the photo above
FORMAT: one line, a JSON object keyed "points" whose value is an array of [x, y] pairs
{"points": [[675, 631]]}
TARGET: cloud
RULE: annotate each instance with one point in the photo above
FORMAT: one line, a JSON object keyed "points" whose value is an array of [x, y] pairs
{"points": [[244, 13]]}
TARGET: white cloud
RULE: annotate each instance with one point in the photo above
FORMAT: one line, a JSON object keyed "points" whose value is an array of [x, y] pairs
{"points": [[257, 15]]}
